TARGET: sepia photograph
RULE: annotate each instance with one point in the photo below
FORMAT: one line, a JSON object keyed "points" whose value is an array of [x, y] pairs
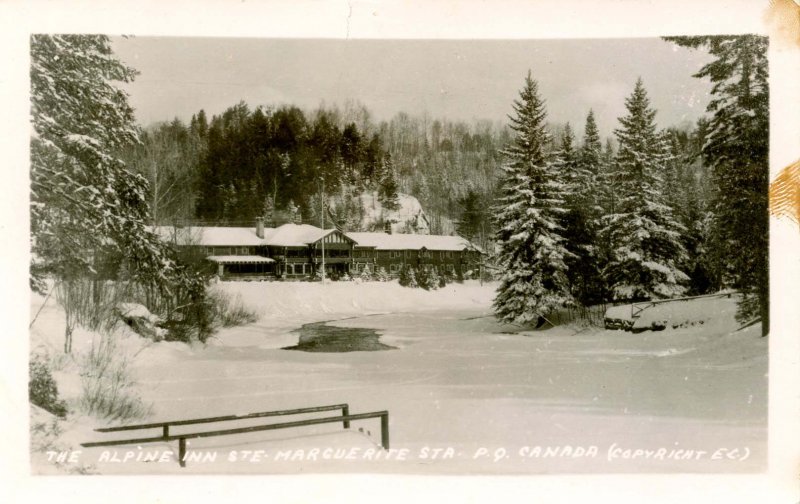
{"points": [[436, 257], [350, 255]]}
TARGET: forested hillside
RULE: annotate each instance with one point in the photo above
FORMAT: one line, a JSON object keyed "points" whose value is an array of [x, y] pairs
{"points": [[272, 162]]}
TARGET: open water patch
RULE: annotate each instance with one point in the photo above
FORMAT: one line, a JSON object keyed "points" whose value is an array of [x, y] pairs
{"points": [[320, 337]]}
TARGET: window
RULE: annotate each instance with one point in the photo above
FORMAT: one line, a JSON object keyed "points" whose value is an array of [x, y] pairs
{"points": [[395, 253], [394, 268]]}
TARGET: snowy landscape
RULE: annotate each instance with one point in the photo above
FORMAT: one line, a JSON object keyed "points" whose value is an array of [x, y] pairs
{"points": [[457, 380], [577, 283]]}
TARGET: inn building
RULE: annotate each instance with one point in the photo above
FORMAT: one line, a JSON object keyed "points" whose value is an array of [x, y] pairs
{"points": [[295, 251]]}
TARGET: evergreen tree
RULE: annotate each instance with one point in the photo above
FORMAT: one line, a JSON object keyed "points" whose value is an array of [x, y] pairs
{"points": [[473, 217], [736, 148], [644, 236], [387, 189], [407, 277], [87, 207], [591, 151], [366, 273], [381, 275], [531, 249], [579, 169]]}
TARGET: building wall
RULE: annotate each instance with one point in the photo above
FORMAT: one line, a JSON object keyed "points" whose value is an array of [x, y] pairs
{"points": [[451, 262]]}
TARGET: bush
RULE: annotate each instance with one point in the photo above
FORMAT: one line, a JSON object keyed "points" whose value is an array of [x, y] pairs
{"points": [[366, 273], [382, 275], [108, 389], [408, 277], [432, 279], [42, 389], [229, 312]]}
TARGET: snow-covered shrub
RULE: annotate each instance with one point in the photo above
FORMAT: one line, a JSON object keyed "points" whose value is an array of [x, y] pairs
{"points": [[381, 275], [229, 312], [366, 273], [434, 280], [42, 389], [108, 389], [428, 279], [408, 277]]}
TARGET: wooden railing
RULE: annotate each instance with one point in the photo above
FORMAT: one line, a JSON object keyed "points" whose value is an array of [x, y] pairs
{"points": [[345, 418]]}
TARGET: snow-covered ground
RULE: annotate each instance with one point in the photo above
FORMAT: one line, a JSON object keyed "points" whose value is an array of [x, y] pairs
{"points": [[489, 397]]}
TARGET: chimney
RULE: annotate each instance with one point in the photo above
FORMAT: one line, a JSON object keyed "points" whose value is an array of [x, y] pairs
{"points": [[387, 227], [260, 227]]}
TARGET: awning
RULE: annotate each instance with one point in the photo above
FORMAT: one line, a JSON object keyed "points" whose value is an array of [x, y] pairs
{"points": [[240, 259]]}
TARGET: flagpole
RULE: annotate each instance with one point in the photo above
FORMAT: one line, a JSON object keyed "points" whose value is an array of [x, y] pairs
{"points": [[322, 218]]}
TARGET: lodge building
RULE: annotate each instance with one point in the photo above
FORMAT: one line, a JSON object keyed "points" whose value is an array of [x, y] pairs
{"points": [[294, 251]]}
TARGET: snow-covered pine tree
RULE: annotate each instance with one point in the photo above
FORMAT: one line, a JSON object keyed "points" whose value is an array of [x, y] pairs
{"points": [[590, 158], [577, 222], [86, 205], [566, 162], [736, 148], [366, 273], [531, 248], [644, 236], [381, 275]]}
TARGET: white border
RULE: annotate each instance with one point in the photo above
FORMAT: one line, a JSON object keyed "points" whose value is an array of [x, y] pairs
{"points": [[386, 19]]}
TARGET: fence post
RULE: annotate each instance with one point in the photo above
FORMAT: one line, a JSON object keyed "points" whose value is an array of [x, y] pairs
{"points": [[385, 431], [182, 451], [346, 412], [166, 431]]}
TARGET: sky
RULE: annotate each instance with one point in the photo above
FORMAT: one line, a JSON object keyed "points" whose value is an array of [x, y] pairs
{"points": [[453, 79]]}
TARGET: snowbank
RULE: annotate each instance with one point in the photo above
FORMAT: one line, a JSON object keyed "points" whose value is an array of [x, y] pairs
{"points": [[711, 311], [716, 311], [314, 301]]}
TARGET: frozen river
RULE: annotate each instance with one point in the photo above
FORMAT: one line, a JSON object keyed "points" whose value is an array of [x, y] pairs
{"points": [[468, 395]]}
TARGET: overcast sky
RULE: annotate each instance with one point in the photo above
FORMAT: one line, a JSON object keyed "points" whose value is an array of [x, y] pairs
{"points": [[454, 79]]}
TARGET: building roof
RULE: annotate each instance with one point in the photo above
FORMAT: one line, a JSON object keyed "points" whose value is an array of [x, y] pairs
{"points": [[210, 236], [301, 235], [385, 241], [294, 235]]}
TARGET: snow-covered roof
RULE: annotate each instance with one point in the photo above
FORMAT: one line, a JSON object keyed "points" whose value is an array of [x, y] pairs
{"points": [[385, 241], [210, 236], [240, 259], [301, 235], [295, 235]]}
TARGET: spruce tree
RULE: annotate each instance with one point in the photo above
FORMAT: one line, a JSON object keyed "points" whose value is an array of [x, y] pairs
{"points": [[736, 148], [531, 248], [644, 237]]}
